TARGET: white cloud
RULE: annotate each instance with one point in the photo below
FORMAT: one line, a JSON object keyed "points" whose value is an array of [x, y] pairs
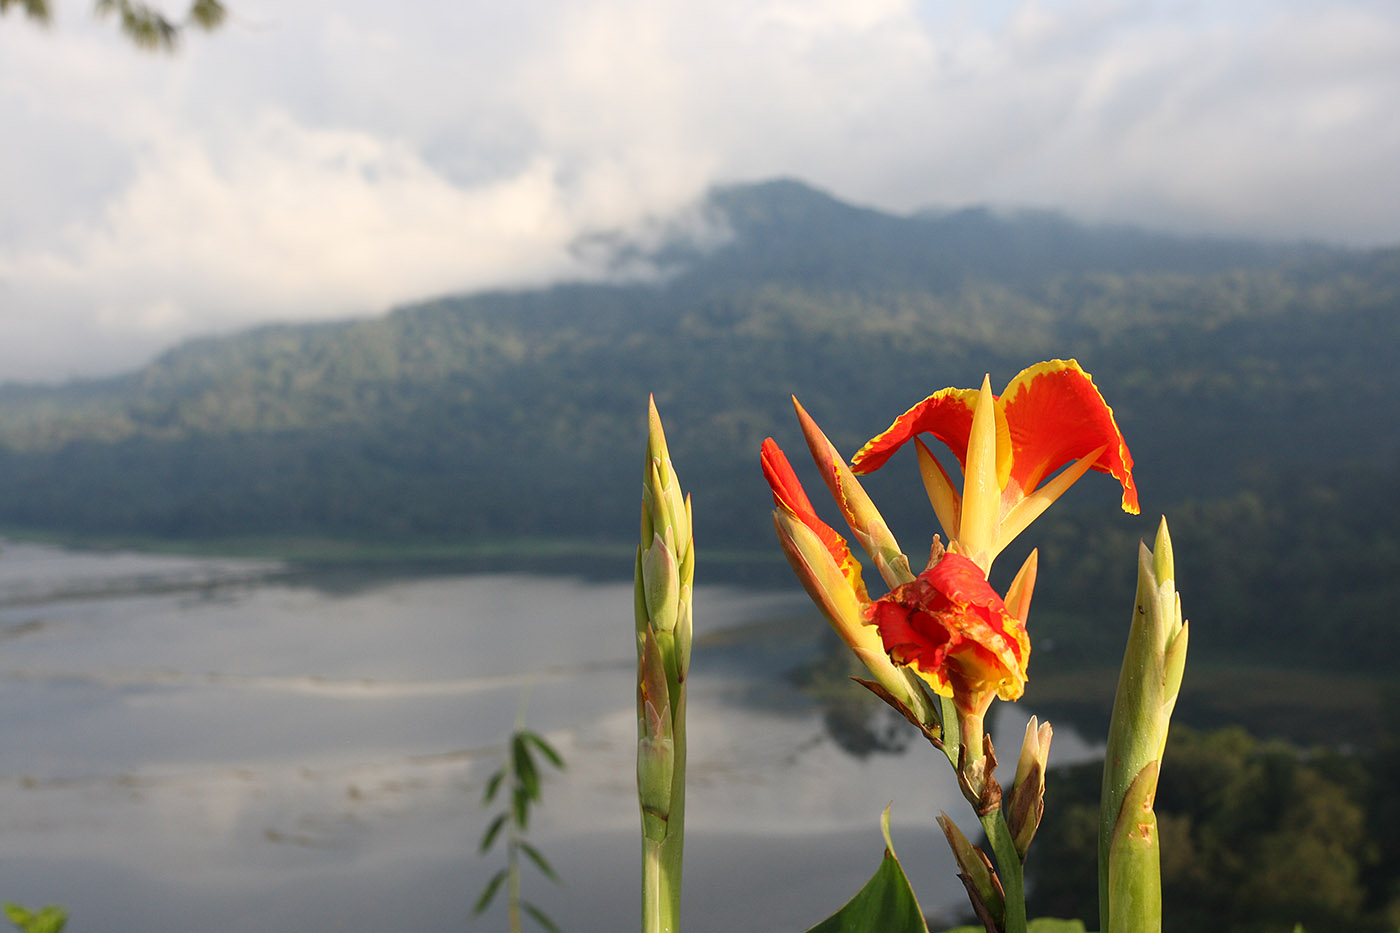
{"points": [[334, 157], [276, 220]]}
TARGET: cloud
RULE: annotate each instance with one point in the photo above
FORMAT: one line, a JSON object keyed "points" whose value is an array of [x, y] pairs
{"points": [[277, 221], [324, 159], [1273, 120]]}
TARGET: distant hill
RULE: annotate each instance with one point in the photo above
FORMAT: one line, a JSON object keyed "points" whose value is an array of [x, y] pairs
{"points": [[1257, 384]]}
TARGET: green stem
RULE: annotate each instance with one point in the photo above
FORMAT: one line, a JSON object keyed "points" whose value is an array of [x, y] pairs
{"points": [[661, 861], [513, 886], [657, 892], [1008, 870], [661, 888]]}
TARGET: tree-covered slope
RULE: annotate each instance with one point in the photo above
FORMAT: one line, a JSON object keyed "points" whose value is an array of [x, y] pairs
{"points": [[1256, 384]]}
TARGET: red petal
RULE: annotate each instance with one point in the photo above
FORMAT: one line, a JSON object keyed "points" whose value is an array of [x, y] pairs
{"points": [[946, 414], [787, 490], [1055, 415], [789, 495], [953, 628], [962, 581], [914, 637]]}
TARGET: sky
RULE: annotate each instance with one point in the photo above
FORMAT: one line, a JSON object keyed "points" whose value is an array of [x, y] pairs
{"points": [[325, 159]]}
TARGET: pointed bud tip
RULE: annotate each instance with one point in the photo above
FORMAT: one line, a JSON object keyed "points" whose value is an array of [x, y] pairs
{"points": [[1163, 559]]}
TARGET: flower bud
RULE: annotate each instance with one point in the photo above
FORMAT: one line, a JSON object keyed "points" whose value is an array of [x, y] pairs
{"points": [[1027, 804], [977, 875], [1153, 662], [656, 750]]}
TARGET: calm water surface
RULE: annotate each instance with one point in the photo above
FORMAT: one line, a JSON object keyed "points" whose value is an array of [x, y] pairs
{"points": [[219, 745]]}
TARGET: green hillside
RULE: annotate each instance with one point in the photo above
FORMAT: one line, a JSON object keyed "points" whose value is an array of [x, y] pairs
{"points": [[1257, 385]]}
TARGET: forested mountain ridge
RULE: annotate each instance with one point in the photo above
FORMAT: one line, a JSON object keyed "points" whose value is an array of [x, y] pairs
{"points": [[794, 259], [1256, 384]]}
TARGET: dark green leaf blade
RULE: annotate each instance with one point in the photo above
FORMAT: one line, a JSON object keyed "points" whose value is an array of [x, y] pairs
{"points": [[886, 903], [1042, 925], [493, 784], [489, 892], [540, 861], [547, 750], [492, 831], [540, 916], [527, 776]]}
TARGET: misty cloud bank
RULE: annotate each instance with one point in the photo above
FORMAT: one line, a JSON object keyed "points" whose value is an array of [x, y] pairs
{"points": [[329, 159]]}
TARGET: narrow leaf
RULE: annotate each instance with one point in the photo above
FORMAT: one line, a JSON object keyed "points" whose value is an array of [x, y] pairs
{"points": [[493, 784], [489, 892], [546, 749], [521, 808], [540, 916], [540, 861], [527, 776], [492, 831]]}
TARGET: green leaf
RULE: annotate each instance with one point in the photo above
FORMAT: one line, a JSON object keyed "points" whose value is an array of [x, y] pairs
{"points": [[540, 916], [1042, 925], [521, 808], [527, 776], [492, 831], [886, 903], [1134, 860], [489, 892], [540, 861], [545, 748], [493, 784], [208, 14], [37, 10], [49, 919]]}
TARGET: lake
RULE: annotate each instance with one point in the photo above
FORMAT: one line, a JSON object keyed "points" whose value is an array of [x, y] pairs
{"points": [[234, 745]]}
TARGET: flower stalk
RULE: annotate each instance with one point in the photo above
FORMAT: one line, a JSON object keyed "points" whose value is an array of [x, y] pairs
{"points": [[944, 629], [665, 573], [1130, 896]]}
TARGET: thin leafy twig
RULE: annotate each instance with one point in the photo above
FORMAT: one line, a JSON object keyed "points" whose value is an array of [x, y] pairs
{"points": [[520, 775]]}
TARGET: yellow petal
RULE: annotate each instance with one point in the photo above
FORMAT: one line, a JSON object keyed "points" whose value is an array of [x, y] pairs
{"points": [[1031, 507], [939, 486], [981, 499]]}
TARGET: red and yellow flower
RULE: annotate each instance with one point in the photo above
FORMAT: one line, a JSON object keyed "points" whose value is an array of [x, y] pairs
{"points": [[947, 626], [1049, 415]]}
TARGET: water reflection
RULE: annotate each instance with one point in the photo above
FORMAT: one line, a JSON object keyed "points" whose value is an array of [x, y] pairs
{"points": [[234, 745]]}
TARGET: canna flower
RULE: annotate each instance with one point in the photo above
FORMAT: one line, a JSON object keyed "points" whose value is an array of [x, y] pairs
{"points": [[1049, 415], [946, 627], [951, 628]]}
